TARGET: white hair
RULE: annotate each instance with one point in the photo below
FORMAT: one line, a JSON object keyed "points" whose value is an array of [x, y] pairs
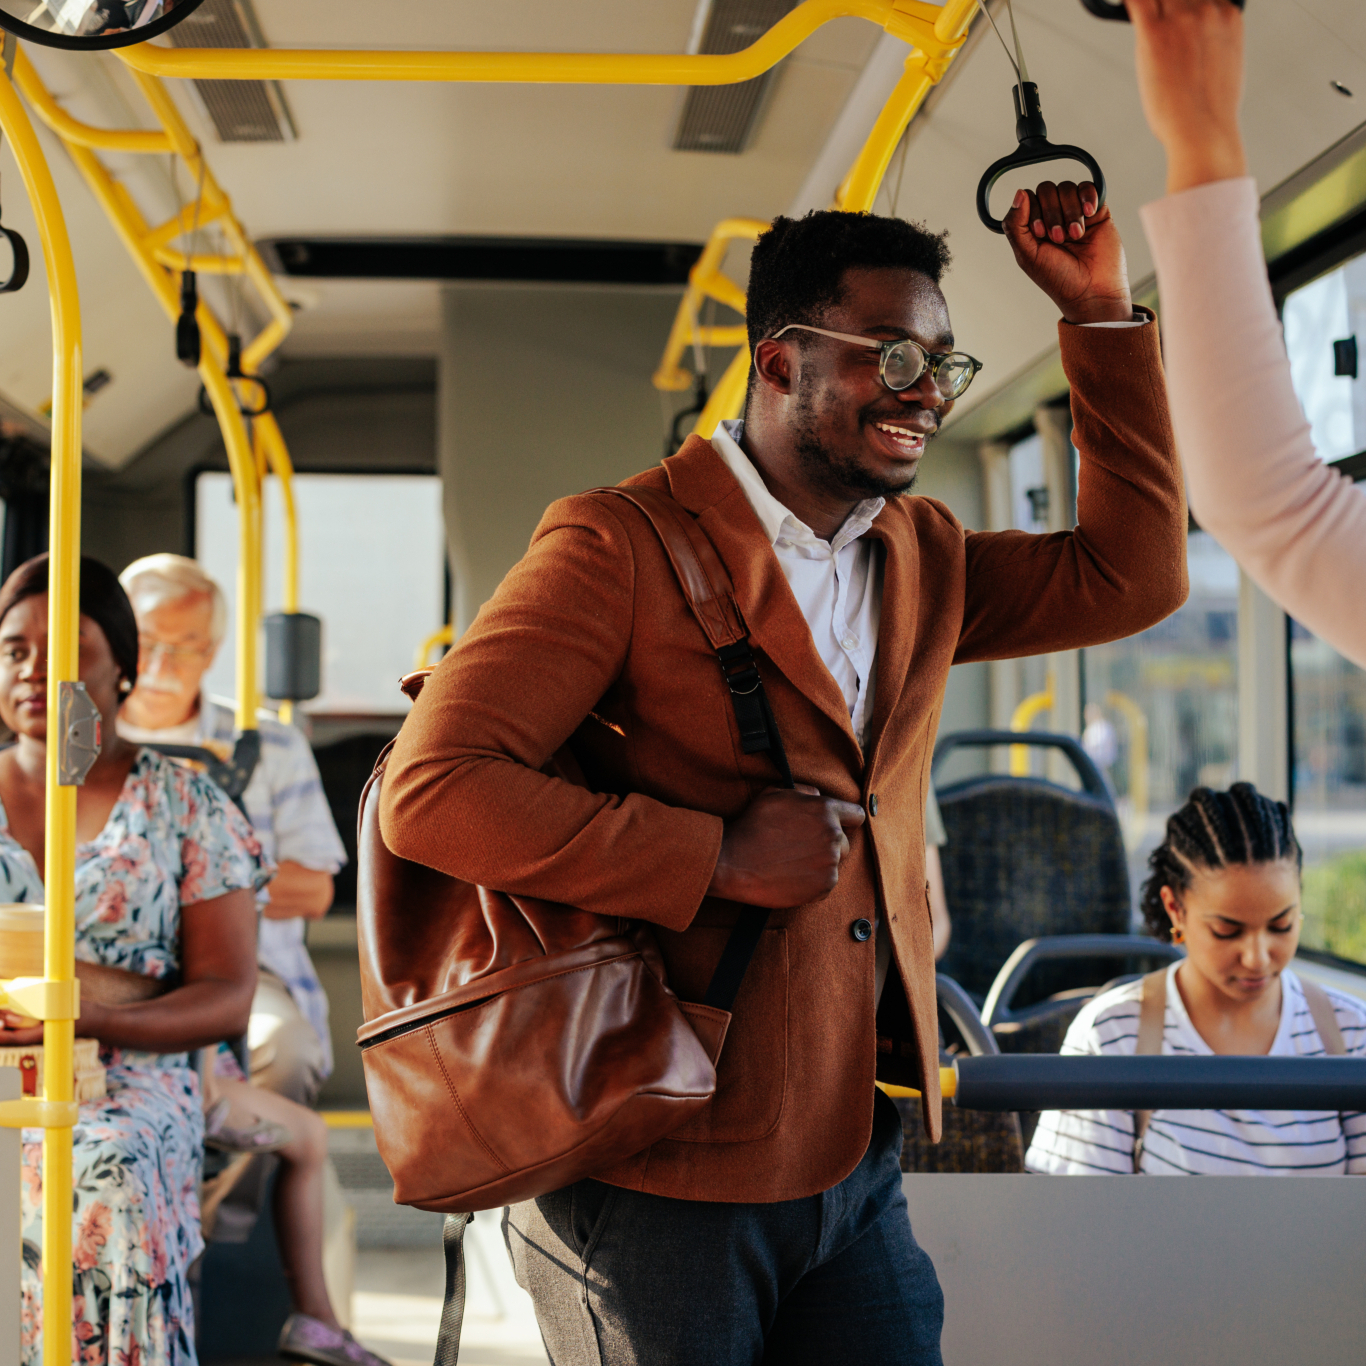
{"points": [[155, 580]]}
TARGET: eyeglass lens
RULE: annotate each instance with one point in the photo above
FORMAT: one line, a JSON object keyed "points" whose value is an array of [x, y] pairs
{"points": [[906, 363]]}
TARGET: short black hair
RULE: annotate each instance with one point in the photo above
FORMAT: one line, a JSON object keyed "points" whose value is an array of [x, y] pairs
{"points": [[1212, 831], [798, 265], [102, 600]]}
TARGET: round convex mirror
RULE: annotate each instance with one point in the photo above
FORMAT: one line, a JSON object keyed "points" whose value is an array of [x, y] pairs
{"points": [[92, 24]]}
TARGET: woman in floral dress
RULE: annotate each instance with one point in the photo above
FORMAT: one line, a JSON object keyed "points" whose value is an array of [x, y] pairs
{"points": [[166, 875]]}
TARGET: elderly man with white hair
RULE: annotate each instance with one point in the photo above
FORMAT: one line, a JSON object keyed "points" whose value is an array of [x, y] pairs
{"points": [[182, 618]]}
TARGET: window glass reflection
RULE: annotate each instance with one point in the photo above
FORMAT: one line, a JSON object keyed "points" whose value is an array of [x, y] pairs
{"points": [[1329, 702], [1325, 338], [1161, 712]]}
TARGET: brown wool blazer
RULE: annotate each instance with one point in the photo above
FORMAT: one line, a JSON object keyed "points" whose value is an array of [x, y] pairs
{"points": [[590, 634]]}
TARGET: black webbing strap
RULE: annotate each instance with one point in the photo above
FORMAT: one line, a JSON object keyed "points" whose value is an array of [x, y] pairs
{"points": [[453, 1310], [758, 733]]}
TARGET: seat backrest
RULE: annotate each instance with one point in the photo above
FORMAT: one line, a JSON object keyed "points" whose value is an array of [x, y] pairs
{"points": [[973, 1140], [1026, 858]]}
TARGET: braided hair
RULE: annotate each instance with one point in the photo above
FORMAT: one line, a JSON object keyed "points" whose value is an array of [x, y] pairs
{"points": [[1214, 830]]}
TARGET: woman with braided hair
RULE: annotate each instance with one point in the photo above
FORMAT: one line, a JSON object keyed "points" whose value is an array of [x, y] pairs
{"points": [[1225, 883]]}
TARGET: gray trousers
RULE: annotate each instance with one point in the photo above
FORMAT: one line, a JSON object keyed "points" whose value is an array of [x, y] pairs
{"points": [[624, 1279]]}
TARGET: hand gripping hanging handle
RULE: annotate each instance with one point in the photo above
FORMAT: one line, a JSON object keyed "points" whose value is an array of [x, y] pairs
{"points": [[1032, 134]]}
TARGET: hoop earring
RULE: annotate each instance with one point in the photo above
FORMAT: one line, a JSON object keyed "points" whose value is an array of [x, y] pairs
{"points": [[1178, 935]]}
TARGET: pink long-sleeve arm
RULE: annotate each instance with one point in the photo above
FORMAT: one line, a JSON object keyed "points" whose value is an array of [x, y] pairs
{"points": [[1296, 526]]}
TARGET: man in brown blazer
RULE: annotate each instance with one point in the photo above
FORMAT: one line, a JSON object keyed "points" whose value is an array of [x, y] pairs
{"points": [[772, 1228]]}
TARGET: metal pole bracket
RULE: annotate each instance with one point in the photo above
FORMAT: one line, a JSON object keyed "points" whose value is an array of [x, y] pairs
{"points": [[78, 734]]}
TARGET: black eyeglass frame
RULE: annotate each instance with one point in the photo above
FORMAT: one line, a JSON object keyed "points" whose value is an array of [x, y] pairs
{"points": [[928, 360]]}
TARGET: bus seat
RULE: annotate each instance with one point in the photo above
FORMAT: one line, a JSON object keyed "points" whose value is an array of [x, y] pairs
{"points": [[1027, 858], [345, 767], [1040, 1027], [973, 1140]]}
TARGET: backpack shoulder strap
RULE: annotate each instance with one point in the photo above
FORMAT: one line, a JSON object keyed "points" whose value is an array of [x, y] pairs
{"points": [[710, 593], [1152, 1019], [1325, 1018]]}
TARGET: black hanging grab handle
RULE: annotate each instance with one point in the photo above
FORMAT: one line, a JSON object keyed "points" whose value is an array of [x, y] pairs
{"points": [[1032, 134], [1104, 9], [18, 275], [234, 372]]}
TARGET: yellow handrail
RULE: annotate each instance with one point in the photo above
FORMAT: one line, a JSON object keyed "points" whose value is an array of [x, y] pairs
{"points": [[59, 863], [147, 245], [1022, 718], [445, 636], [948, 1085], [706, 280], [937, 34], [908, 19]]}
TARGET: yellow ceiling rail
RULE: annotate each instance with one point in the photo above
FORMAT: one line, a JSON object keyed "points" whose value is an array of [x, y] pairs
{"points": [[706, 280], [907, 19], [161, 266], [937, 34], [63, 666]]}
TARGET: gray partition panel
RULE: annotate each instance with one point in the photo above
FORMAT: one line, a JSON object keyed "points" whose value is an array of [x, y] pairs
{"points": [[11, 1088], [1206, 1271]]}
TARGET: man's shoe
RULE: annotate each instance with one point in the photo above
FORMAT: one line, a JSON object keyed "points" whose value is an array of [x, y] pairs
{"points": [[309, 1339]]}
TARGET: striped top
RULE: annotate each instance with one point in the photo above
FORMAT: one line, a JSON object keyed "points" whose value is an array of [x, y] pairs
{"points": [[1203, 1142]]}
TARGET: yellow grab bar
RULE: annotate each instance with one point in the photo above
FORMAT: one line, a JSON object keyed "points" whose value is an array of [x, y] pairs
{"points": [[948, 1085], [1022, 718], [911, 20], [55, 1113], [146, 244], [706, 281], [937, 34], [445, 636]]}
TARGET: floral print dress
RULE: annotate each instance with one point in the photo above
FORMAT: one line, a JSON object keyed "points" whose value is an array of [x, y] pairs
{"points": [[172, 839]]}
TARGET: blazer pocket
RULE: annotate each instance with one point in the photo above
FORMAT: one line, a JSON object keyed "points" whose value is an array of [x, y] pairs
{"points": [[751, 1079]]}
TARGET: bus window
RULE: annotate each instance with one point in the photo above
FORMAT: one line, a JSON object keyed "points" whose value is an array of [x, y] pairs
{"points": [[1325, 337], [1178, 683], [1329, 756], [373, 568]]}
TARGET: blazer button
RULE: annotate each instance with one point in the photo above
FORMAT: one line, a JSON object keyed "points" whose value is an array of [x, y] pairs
{"points": [[872, 803], [862, 930]]}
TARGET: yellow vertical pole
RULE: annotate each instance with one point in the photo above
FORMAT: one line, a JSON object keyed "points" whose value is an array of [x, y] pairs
{"points": [[271, 445], [59, 871], [247, 487]]}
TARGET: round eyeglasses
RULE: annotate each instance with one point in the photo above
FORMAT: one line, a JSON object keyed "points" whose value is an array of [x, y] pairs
{"points": [[903, 362]]}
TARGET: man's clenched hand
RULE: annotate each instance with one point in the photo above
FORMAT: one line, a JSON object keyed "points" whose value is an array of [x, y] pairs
{"points": [[784, 849], [1070, 248]]}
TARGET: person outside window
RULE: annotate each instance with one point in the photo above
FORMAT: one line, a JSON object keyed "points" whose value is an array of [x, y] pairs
{"points": [[1225, 883], [182, 617], [774, 1225]]}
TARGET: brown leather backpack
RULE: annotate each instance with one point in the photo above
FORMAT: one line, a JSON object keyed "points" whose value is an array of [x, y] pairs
{"points": [[513, 1046]]}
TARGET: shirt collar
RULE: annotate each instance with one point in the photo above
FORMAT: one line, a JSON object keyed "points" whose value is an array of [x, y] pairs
{"points": [[772, 515]]}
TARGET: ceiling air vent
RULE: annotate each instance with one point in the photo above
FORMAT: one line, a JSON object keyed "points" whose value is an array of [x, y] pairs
{"points": [[721, 118], [242, 111]]}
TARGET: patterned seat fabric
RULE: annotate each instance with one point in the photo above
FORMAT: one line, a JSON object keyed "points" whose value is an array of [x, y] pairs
{"points": [[973, 1141], [1027, 858]]}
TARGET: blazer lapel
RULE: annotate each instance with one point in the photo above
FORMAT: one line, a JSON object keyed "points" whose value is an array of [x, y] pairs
{"points": [[897, 623], [702, 482]]}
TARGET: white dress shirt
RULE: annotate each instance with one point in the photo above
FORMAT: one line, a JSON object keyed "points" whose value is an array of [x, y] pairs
{"points": [[837, 583]]}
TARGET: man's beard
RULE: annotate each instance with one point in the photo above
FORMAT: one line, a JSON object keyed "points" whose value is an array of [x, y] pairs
{"points": [[836, 473]]}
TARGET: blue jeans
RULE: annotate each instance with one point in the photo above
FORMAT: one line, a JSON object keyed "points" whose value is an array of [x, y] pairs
{"points": [[625, 1279]]}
